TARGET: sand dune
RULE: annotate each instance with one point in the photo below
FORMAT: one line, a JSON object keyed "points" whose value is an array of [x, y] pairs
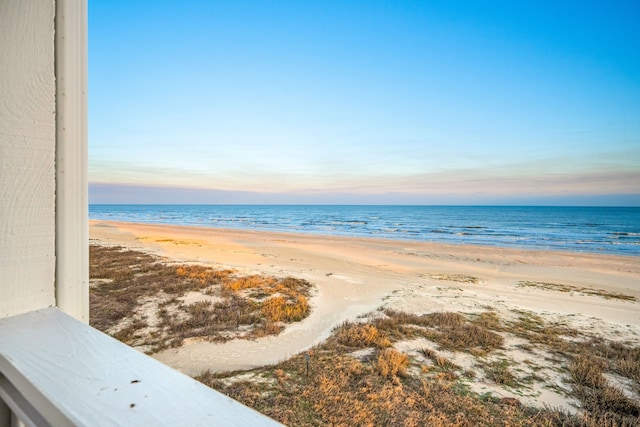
{"points": [[354, 276]]}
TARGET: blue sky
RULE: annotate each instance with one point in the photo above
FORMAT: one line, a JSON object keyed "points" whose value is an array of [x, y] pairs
{"points": [[401, 102]]}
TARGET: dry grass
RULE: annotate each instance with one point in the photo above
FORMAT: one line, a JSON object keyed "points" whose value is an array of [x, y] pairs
{"points": [[394, 388], [622, 359], [460, 278], [598, 397], [388, 388], [359, 335], [138, 300], [472, 338], [586, 360], [391, 363], [442, 364], [538, 331], [280, 309], [489, 320], [451, 330], [342, 390], [498, 371], [568, 288]]}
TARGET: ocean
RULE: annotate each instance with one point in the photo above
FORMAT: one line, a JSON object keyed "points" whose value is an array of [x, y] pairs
{"points": [[608, 230]]}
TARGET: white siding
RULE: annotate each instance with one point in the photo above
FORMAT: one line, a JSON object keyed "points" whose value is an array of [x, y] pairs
{"points": [[27, 156]]}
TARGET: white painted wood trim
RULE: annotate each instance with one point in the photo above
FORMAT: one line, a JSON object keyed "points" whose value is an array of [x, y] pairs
{"points": [[72, 230], [73, 375], [22, 412]]}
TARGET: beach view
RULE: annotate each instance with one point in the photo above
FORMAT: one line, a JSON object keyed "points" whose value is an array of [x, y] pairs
{"points": [[509, 331], [373, 213]]}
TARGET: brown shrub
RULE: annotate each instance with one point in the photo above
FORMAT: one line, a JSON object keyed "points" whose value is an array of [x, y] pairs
{"points": [[488, 320], [202, 274], [597, 396], [342, 390], [498, 372], [391, 363], [360, 335], [268, 328], [469, 337], [587, 371], [624, 359], [446, 320], [279, 309], [129, 278], [249, 282], [128, 334]]}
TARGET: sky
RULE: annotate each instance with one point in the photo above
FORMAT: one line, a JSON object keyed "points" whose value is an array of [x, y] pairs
{"points": [[364, 102]]}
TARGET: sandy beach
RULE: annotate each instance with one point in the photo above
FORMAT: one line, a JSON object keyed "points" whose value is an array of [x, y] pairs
{"points": [[355, 276]]}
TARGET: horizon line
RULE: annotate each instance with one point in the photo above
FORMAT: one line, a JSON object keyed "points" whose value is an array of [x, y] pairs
{"points": [[370, 204]]}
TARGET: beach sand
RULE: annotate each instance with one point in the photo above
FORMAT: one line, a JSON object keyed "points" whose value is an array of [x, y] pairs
{"points": [[354, 276]]}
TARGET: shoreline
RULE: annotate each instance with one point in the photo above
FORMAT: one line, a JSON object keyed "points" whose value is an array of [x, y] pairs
{"points": [[388, 240], [568, 229], [356, 276], [250, 250]]}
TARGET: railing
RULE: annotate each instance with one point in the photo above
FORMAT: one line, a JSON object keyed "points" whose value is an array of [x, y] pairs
{"points": [[57, 371]]}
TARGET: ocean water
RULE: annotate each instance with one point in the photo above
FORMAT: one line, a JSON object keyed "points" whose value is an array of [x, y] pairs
{"points": [[607, 230]]}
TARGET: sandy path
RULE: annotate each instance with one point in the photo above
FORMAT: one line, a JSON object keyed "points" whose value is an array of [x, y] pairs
{"points": [[354, 276]]}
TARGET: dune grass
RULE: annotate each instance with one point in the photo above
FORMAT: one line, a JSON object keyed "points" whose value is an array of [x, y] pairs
{"points": [[583, 290], [142, 301], [389, 387], [357, 377], [449, 277]]}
